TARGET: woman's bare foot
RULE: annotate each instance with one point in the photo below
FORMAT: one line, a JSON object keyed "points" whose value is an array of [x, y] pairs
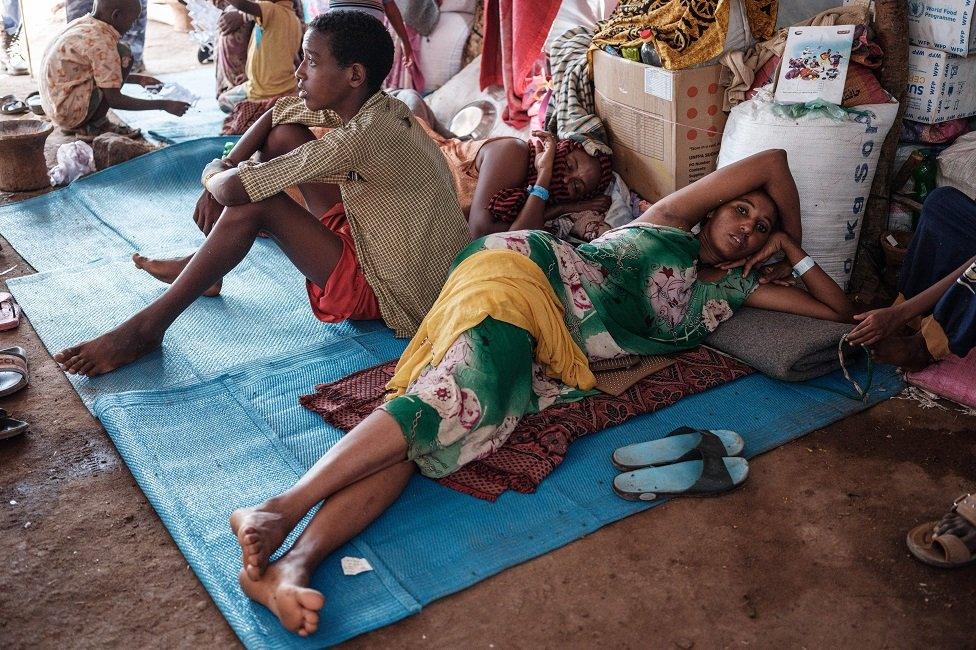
{"points": [[168, 270], [907, 352], [284, 590], [260, 531], [129, 341]]}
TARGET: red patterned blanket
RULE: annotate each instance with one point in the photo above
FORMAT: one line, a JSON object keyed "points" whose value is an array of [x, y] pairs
{"points": [[539, 443]]}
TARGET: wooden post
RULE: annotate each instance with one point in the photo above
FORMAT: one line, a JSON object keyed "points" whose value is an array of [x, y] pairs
{"points": [[891, 33]]}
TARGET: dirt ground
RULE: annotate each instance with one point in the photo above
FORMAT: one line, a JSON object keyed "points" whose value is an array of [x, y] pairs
{"points": [[809, 553]]}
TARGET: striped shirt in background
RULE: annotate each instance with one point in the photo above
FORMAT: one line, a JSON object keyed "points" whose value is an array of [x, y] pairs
{"points": [[397, 191]]}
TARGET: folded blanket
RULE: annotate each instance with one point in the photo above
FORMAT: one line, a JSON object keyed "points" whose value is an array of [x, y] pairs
{"points": [[783, 346], [540, 441]]}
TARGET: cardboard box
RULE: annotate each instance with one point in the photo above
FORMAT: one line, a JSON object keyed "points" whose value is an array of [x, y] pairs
{"points": [[665, 126], [941, 87], [945, 25]]}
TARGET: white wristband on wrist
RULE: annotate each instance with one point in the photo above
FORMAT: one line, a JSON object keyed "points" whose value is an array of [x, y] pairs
{"points": [[803, 266]]}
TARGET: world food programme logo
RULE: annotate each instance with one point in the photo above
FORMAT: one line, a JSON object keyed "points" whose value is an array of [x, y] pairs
{"points": [[916, 9]]}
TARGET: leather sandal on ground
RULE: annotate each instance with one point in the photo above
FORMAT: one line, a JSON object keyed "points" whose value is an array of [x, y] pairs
{"points": [[945, 551], [33, 102], [13, 370], [9, 312], [684, 443], [9, 427], [10, 105], [709, 476]]}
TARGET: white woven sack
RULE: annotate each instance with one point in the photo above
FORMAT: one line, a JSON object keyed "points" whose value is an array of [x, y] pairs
{"points": [[957, 165], [833, 163]]}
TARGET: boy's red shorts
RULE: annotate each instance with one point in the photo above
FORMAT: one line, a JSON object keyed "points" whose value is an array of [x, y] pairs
{"points": [[346, 294]]}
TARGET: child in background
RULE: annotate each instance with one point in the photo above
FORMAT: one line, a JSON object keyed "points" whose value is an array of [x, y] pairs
{"points": [[271, 55], [84, 67]]}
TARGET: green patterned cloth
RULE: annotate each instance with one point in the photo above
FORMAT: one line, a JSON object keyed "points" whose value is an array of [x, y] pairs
{"points": [[635, 290]]}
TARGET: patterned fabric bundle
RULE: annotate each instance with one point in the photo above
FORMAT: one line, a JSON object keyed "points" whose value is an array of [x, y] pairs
{"points": [[684, 33], [506, 204], [572, 112]]}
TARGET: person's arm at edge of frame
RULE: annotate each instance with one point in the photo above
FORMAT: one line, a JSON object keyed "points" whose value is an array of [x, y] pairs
{"points": [[879, 324]]}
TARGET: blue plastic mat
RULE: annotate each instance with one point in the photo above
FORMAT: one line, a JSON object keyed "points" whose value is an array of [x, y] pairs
{"points": [[212, 422], [144, 204], [201, 451], [81, 239], [203, 119]]}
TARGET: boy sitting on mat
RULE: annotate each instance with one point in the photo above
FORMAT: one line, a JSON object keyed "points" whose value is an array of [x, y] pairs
{"points": [[84, 67], [381, 221], [271, 54]]}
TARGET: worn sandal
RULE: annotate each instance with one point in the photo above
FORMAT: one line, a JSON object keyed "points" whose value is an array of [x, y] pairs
{"points": [[711, 475], [9, 312], [945, 551], [10, 105], [9, 427], [13, 370], [684, 443]]}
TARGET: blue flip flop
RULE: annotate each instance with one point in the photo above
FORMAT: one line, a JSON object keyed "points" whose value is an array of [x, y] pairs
{"points": [[711, 475], [684, 443]]}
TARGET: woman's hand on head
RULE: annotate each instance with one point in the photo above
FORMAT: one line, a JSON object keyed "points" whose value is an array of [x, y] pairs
{"points": [[876, 325], [778, 242], [781, 273], [544, 146]]}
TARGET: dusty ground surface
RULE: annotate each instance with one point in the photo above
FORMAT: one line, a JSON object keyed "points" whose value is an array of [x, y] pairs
{"points": [[810, 552]]}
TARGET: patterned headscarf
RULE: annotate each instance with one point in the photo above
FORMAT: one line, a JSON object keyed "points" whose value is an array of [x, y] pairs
{"points": [[506, 204]]}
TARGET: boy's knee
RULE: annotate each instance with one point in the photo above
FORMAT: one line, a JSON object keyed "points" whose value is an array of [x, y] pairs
{"points": [[286, 137]]}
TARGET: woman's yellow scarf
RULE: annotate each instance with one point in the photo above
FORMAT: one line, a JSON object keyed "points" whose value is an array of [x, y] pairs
{"points": [[508, 287]]}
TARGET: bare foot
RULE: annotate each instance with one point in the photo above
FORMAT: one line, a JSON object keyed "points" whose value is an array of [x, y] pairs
{"points": [[907, 352], [168, 270], [129, 341], [284, 590], [260, 531]]}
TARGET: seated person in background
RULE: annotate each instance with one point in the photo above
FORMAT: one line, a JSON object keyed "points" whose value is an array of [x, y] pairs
{"points": [[937, 290], [230, 47], [84, 67], [271, 55], [513, 332], [380, 222]]}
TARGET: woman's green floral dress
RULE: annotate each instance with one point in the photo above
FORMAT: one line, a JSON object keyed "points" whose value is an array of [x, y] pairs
{"points": [[635, 290]]}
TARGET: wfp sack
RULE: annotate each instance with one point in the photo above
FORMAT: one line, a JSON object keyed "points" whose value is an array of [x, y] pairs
{"points": [[833, 163]]}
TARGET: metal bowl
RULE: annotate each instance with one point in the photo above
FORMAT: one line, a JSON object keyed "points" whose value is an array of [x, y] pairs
{"points": [[474, 121]]}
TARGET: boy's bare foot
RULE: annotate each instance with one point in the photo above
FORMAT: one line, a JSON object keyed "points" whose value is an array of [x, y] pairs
{"points": [[123, 345], [260, 531], [906, 352], [284, 590], [168, 270]]}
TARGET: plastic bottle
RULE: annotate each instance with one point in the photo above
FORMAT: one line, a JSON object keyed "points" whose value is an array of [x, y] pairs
{"points": [[649, 55], [924, 177]]}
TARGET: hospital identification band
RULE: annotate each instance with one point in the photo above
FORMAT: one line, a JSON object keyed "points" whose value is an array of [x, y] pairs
{"points": [[538, 190], [803, 266]]}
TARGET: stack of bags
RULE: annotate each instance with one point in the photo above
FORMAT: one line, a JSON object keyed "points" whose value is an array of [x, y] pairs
{"points": [[941, 103]]}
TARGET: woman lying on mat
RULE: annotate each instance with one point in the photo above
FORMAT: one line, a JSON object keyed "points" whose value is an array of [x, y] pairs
{"points": [[512, 333], [498, 193], [496, 188], [935, 312]]}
